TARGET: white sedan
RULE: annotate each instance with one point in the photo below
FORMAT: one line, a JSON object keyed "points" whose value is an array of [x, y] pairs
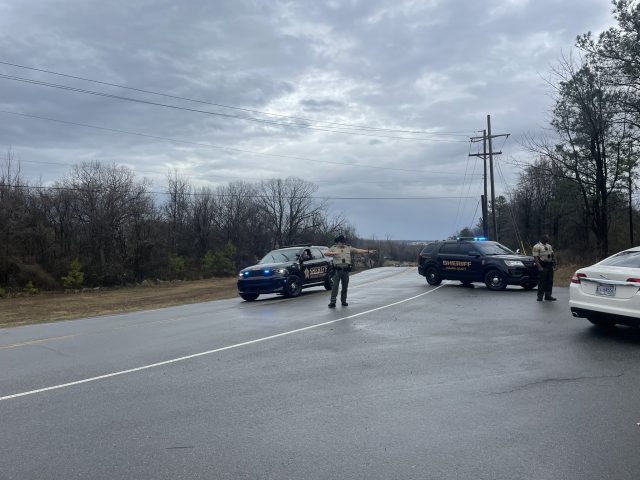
{"points": [[608, 292]]}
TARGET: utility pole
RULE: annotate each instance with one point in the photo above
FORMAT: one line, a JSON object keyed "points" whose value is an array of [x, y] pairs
{"points": [[487, 137], [493, 189], [631, 205]]}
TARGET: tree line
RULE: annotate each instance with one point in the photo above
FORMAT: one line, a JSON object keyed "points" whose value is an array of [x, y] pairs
{"points": [[101, 226]]}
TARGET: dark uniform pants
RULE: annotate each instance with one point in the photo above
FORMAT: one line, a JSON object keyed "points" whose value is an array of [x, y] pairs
{"points": [[340, 275], [545, 281]]}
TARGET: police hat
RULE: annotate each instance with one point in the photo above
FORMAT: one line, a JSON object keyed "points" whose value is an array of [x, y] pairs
{"points": [[340, 239]]}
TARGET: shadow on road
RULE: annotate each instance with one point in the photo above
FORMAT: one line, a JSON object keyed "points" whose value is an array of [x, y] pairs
{"points": [[618, 334]]}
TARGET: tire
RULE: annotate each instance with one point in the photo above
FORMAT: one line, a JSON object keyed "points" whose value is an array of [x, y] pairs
{"points": [[433, 276], [495, 280], [529, 285], [249, 297], [293, 287], [602, 323], [328, 283]]}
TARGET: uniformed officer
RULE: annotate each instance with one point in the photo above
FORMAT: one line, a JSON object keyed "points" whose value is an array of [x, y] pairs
{"points": [[342, 262], [545, 259]]}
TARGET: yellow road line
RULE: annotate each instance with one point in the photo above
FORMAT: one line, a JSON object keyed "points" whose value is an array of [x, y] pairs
{"points": [[35, 342]]}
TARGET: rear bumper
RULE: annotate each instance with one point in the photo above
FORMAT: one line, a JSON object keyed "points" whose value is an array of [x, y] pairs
{"points": [[623, 311], [594, 314]]}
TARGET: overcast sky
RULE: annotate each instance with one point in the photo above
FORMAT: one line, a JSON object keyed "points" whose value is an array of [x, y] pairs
{"points": [[385, 94]]}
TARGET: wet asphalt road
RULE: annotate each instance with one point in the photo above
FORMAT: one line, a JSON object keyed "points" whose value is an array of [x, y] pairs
{"points": [[453, 383]]}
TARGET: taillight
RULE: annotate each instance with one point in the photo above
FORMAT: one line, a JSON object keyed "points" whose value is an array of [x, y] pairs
{"points": [[577, 276], [634, 280]]}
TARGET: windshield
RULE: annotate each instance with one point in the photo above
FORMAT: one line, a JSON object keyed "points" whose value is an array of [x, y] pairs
{"points": [[280, 256], [628, 258], [493, 248]]}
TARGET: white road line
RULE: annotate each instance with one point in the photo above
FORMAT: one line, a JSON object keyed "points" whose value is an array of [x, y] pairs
{"points": [[209, 352]]}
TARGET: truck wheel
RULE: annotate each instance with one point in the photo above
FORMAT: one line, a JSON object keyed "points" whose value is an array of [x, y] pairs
{"points": [[328, 283], [249, 297], [495, 280], [433, 277], [293, 286], [529, 285]]}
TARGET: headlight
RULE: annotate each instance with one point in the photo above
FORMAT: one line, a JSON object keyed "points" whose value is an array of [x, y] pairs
{"points": [[243, 274], [514, 263], [275, 271]]}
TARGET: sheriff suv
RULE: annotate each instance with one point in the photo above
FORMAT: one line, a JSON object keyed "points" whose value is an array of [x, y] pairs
{"points": [[476, 260], [286, 271]]}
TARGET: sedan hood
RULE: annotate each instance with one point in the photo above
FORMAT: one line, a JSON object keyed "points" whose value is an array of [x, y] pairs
{"points": [[269, 266]]}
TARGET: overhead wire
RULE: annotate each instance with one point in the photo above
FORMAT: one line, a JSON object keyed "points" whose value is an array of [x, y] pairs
{"points": [[464, 180], [177, 97], [223, 195], [510, 207], [464, 205], [244, 177], [208, 145], [217, 114], [474, 214]]}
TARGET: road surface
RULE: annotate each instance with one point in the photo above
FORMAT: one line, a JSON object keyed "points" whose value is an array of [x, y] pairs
{"points": [[407, 382]]}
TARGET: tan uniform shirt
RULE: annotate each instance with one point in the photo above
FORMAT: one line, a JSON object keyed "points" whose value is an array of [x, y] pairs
{"points": [[543, 251], [344, 259]]}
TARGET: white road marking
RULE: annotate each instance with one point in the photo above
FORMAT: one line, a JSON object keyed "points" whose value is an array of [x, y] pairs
{"points": [[209, 352]]}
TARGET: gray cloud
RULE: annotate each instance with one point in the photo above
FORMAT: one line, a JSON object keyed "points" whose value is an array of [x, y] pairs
{"points": [[437, 66]]}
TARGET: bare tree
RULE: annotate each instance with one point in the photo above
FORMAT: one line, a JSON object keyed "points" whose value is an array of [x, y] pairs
{"points": [[289, 207], [176, 211], [106, 198], [592, 138], [203, 216]]}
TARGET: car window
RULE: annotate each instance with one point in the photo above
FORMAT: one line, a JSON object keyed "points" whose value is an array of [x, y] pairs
{"points": [[317, 254], [628, 258], [430, 248], [449, 248], [468, 249], [280, 256], [494, 248]]}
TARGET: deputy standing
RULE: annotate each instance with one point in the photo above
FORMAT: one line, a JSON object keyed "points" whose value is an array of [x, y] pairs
{"points": [[341, 253], [544, 258]]}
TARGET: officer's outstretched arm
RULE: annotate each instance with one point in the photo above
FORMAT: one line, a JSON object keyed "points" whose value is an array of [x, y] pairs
{"points": [[360, 250]]}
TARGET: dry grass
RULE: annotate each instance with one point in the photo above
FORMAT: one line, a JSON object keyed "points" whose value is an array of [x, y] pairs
{"points": [[562, 276], [48, 307]]}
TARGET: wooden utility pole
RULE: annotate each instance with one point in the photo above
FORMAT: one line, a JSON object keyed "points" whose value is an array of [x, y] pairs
{"points": [[487, 137], [631, 240], [485, 210]]}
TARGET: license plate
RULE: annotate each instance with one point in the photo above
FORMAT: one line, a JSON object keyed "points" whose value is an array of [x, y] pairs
{"points": [[606, 290]]}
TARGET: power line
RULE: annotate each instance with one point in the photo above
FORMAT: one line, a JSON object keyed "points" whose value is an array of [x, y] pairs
{"points": [[244, 177], [208, 145], [206, 112], [224, 195], [347, 125], [464, 181]]}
